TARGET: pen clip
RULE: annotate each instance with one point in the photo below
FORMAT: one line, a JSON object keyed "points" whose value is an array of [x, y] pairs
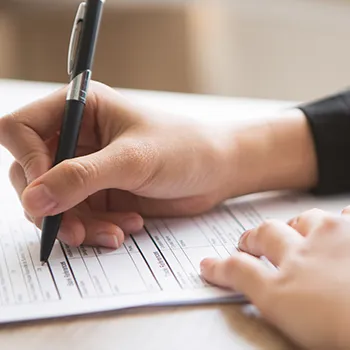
{"points": [[74, 39]]}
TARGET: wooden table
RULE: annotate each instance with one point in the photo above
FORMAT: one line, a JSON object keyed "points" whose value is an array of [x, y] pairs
{"points": [[200, 327]]}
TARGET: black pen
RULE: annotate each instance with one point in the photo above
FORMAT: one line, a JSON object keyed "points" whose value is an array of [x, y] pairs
{"points": [[80, 58]]}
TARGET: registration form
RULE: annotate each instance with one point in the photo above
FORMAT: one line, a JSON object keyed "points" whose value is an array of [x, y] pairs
{"points": [[157, 266]]}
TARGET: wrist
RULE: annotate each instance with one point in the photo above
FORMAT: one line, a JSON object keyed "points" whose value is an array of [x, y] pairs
{"points": [[271, 154]]}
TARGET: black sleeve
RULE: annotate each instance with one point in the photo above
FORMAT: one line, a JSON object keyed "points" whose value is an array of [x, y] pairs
{"points": [[329, 121]]}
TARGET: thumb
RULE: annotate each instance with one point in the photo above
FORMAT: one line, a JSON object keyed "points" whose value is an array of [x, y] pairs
{"points": [[72, 181]]}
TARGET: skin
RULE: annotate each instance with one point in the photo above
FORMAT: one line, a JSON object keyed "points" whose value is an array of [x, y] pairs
{"points": [[307, 297], [132, 163]]}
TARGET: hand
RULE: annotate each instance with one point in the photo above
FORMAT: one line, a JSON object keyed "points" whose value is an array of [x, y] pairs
{"points": [[131, 162], [308, 296]]}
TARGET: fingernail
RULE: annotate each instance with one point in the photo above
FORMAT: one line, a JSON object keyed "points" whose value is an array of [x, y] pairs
{"points": [[107, 240], [39, 200], [132, 224], [243, 238]]}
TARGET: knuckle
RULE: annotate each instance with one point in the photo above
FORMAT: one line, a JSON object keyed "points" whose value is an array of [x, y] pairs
{"points": [[15, 172], [231, 263], [306, 214], [307, 219], [27, 161], [329, 224], [314, 211], [258, 239], [230, 267], [79, 173], [7, 124], [267, 225]]}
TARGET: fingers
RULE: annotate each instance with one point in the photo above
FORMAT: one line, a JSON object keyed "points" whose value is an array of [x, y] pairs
{"points": [[75, 231], [128, 222], [308, 221], [72, 230], [102, 233], [242, 273], [25, 131], [127, 165], [97, 229], [42, 116], [32, 125], [272, 239]]}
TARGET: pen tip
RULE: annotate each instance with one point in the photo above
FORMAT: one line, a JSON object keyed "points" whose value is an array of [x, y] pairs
{"points": [[43, 263]]}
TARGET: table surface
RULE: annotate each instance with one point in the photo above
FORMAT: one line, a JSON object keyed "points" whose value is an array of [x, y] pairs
{"points": [[197, 327]]}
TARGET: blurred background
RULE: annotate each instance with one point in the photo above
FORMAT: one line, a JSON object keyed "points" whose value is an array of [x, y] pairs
{"points": [[279, 49]]}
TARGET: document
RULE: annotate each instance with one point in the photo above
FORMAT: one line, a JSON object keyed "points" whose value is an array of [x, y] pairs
{"points": [[157, 266]]}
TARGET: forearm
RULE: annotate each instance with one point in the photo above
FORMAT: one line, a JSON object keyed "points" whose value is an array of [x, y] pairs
{"points": [[272, 154]]}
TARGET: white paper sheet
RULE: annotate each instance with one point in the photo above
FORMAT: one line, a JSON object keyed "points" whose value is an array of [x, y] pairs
{"points": [[157, 266]]}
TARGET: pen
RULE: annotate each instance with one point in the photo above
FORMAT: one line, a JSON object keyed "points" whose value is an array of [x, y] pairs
{"points": [[80, 58]]}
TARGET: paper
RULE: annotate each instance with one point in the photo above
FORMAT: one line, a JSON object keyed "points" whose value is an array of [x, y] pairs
{"points": [[157, 266]]}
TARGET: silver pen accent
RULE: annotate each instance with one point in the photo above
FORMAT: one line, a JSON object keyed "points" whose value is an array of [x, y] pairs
{"points": [[74, 38], [78, 87]]}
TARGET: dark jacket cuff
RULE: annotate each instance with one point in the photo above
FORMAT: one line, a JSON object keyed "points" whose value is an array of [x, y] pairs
{"points": [[329, 121]]}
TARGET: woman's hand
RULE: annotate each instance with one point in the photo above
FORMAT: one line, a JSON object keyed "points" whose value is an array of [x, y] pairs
{"points": [[130, 162], [308, 296]]}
